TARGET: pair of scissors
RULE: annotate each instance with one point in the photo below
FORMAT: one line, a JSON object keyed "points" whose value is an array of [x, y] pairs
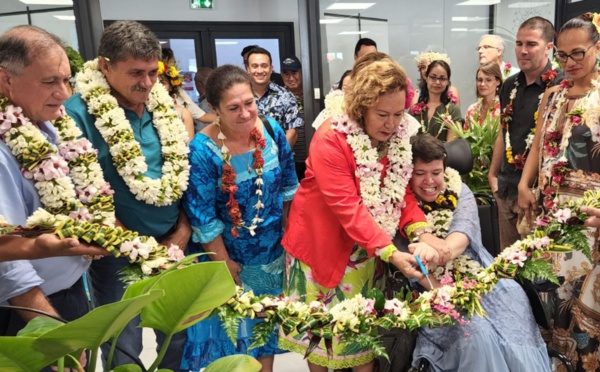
{"points": [[424, 270]]}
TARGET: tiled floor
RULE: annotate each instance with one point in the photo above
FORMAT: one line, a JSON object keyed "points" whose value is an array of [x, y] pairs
{"points": [[289, 362]]}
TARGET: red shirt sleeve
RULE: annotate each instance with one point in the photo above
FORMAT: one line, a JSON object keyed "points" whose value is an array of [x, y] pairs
{"points": [[334, 168], [411, 213]]}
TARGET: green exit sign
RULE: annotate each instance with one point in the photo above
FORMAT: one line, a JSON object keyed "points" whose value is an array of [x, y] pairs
{"points": [[202, 4]]}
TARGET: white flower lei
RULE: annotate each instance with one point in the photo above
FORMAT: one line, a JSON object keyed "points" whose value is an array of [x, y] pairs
{"points": [[69, 179], [126, 151], [440, 221], [383, 203], [590, 106]]}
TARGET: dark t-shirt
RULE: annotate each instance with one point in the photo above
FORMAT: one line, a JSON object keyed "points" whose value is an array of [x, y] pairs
{"points": [[525, 105]]}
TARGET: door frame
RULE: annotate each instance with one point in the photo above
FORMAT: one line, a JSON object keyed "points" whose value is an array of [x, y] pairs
{"points": [[205, 33]]}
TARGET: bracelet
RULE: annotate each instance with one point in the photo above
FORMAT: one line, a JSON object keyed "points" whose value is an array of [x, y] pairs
{"points": [[417, 234], [410, 229], [386, 252]]}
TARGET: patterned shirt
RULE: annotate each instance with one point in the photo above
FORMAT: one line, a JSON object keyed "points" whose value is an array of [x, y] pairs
{"points": [[280, 104]]}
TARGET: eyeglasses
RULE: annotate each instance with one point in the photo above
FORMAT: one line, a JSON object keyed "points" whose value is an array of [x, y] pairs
{"points": [[486, 47], [433, 79], [484, 81], [575, 56]]}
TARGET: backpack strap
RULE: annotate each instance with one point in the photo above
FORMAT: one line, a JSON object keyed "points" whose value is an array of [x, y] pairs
{"points": [[267, 125]]}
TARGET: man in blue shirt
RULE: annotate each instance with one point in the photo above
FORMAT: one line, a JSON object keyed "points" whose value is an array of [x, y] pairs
{"points": [[273, 100], [34, 75], [129, 54]]}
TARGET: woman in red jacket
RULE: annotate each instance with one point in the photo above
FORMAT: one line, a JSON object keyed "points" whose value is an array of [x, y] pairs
{"points": [[347, 209]]}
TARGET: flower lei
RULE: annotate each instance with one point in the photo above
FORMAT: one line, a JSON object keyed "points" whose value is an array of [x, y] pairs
{"points": [[68, 178], [506, 117], [420, 109], [585, 111], [228, 185], [439, 215], [439, 212], [383, 202], [126, 152], [354, 321], [171, 72], [77, 201]]}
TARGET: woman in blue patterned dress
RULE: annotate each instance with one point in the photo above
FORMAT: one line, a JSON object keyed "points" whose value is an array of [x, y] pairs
{"points": [[241, 182]]}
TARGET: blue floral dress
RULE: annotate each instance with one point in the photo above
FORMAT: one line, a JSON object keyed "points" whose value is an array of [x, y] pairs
{"points": [[261, 256]]}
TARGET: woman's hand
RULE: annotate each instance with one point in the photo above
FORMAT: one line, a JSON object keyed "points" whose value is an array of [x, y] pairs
{"points": [[593, 219], [425, 252], [235, 270], [407, 264]]}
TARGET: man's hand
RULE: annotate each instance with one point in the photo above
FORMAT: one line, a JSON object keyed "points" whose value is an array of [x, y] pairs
{"points": [[594, 216]]}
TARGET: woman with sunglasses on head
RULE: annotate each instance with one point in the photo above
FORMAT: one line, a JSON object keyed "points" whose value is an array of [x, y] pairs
{"points": [[488, 82], [436, 104], [566, 157]]}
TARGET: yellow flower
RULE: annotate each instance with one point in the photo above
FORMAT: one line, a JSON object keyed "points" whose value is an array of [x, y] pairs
{"points": [[176, 82], [440, 199], [535, 117], [452, 200], [173, 71], [161, 68]]}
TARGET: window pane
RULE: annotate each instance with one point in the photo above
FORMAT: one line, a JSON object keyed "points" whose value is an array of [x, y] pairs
{"points": [[62, 24], [8, 22], [229, 51]]}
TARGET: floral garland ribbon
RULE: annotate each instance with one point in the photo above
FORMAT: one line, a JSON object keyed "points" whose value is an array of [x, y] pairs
{"points": [[228, 185], [585, 111], [77, 201], [355, 321], [506, 118], [126, 152]]}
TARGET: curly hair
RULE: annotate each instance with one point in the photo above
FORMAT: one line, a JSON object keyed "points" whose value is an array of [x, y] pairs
{"points": [[371, 82]]}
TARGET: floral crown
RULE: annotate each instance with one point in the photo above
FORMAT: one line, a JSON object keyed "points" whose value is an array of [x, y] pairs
{"points": [[596, 21], [171, 72], [428, 57]]}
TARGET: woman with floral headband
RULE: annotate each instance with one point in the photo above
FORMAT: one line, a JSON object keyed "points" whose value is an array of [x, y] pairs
{"points": [[347, 209], [505, 340], [170, 77], [488, 81], [436, 105], [565, 156], [242, 180], [423, 60]]}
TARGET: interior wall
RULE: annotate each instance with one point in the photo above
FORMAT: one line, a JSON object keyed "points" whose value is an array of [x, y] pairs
{"points": [[224, 10]]}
